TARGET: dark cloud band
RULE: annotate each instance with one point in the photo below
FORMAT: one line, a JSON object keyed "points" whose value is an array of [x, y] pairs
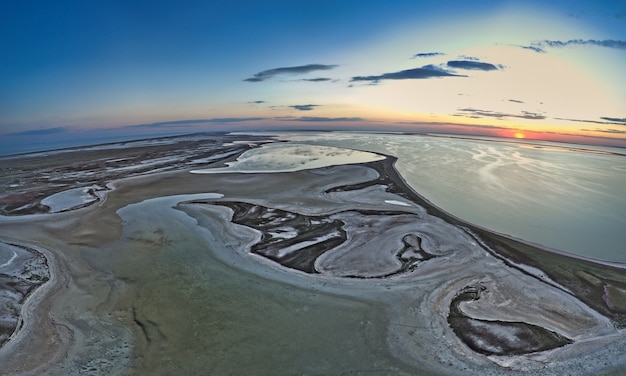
{"points": [[608, 43], [471, 65], [301, 69], [195, 121], [427, 54], [39, 132], [605, 120], [428, 71], [615, 120], [327, 119], [318, 79], [304, 107], [474, 113], [610, 130]]}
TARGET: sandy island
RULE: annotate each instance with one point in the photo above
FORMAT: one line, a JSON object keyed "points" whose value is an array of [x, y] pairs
{"points": [[330, 270]]}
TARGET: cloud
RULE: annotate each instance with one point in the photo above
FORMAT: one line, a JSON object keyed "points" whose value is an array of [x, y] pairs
{"points": [[234, 119], [427, 71], [471, 65], [322, 119], [534, 48], [301, 69], [515, 101], [605, 120], [304, 107], [39, 132], [427, 54], [465, 57], [194, 121], [256, 102], [615, 120], [477, 114], [612, 131], [609, 43], [318, 79]]}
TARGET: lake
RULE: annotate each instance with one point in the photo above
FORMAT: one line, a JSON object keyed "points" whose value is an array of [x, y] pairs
{"points": [[566, 197]]}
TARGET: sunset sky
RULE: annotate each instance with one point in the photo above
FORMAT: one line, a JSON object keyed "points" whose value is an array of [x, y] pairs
{"points": [[534, 69]]}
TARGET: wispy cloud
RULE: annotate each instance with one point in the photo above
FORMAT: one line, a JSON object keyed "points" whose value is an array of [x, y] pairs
{"points": [[427, 54], [605, 121], [465, 57], [322, 119], [534, 48], [471, 65], [304, 107], [615, 120], [318, 79], [39, 132], [427, 71], [234, 119], [301, 69], [612, 131], [474, 113], [611, 43], [256, 102], [177, 123], [540, 46]]}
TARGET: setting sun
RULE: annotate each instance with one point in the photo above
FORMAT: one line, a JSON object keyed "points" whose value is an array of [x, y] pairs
{"points": [[519, 135]]}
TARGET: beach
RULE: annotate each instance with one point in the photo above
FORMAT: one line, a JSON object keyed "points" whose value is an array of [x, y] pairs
{"points": [[172, 271]]}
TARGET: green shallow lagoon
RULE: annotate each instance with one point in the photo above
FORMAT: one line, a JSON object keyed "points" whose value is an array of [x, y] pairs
{"points": [[196, 313]]}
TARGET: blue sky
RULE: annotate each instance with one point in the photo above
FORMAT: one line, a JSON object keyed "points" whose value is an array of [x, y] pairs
{"points": [[507, 68]]}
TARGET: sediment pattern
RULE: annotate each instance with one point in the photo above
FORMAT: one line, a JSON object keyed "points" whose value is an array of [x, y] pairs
{"points": [[22, 270], [167, 271], [419, 243], [492, 337]]}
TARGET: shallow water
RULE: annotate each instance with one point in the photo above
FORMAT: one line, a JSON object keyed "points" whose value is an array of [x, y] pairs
{"points": [[281, 157], [555, 196], [197, 302], [201, 314]]}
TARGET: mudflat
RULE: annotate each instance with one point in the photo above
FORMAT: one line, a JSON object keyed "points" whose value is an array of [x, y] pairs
{"points": [[330, 270]]}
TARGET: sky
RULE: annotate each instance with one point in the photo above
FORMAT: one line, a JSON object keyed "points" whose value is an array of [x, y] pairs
{"points": [[527, 69]]}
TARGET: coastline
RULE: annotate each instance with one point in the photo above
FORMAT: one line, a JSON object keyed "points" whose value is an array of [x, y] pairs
{"points": [[534, 255], [36, 322], [130, 190]]}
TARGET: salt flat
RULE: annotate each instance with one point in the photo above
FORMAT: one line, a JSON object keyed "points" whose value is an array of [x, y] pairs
{"points": [[338, 269]]}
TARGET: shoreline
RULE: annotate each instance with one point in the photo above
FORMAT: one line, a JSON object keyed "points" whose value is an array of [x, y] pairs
{"points": [[526, 253], [34, 320], [402, 284], [454, 219], [507, 248]]}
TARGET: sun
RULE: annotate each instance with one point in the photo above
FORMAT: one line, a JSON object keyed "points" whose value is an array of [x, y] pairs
{"points": [[519, 135]]}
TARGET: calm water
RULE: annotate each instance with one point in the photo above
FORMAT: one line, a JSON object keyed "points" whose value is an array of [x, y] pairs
{"points": [[545, 193]]}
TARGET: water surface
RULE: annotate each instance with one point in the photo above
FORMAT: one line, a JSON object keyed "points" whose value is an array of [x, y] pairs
{"points": [[566, 198]]}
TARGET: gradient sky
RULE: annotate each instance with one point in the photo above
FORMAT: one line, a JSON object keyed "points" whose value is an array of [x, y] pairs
{"points": [[534, 69]]}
